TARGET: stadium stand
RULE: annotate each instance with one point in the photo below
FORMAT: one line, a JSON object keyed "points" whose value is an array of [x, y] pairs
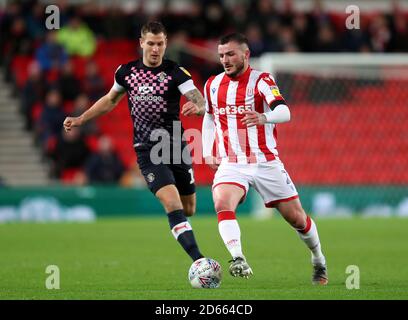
{"points": [[290, 30]]}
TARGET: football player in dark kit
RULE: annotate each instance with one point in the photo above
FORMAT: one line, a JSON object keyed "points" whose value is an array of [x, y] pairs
{"points": [[154, 86]]}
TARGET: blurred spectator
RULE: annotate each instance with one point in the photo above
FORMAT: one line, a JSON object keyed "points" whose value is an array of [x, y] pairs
{"points": [[176, 48], [255, 39], [287, 13], [215, 19], [116, 23], [170, 20], [81, 104], [33, 92], [326, 40], [70, 152], [35, 21], [196, 21], [137, 19], [240, 17], [51, 55], [287, 39], [93, 84], [291, 48], [7, 17], [18, 42], [91, 13], [355, 39], [261, 12], [304, 34], [133, 177], [51, 118], [104, 166], [77, 38], [271, 35], [67, 83], [319, 15], [399, 41], [380, 34]]}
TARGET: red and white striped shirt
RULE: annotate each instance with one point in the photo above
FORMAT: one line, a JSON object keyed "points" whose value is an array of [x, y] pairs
{"points": [[227, 99]]}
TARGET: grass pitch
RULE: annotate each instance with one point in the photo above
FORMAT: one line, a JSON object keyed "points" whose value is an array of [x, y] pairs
{"points": [[138, 258]]}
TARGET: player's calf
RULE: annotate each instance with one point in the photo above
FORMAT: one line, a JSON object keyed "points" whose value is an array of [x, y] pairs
{"points": [[183, 233], [189, 204]]}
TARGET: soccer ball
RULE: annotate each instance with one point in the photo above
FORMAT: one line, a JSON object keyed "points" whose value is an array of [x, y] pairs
{"points": [[205, 273]]}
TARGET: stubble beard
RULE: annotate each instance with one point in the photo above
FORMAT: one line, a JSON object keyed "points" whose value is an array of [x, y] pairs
{"points": [[238, 70]]}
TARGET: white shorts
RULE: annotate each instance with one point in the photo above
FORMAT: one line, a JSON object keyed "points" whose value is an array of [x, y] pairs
{"points": [[270, 179]]}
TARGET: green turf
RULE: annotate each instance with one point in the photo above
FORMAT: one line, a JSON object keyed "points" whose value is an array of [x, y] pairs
{"points": [[139, 259]]}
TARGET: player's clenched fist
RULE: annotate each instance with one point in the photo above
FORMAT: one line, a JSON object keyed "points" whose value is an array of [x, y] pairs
{"points": [[71, 122], [190, 108], [253, 118]]}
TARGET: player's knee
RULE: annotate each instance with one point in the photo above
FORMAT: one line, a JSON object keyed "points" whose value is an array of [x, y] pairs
{"points": [[221, 204], [298, 220]]}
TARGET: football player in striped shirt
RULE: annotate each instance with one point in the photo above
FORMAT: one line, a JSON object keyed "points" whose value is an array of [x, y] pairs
{"points": [[243, 107]]}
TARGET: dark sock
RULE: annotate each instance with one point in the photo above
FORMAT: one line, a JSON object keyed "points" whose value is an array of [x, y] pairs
{"points": [[182, 231]]}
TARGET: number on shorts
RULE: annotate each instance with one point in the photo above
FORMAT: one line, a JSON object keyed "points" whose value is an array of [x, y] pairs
{"points": [[288, 181], [192, 175]]}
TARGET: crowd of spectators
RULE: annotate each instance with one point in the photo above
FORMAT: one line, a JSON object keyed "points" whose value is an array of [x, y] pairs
{"points": [[268, 27], [53, 89]]}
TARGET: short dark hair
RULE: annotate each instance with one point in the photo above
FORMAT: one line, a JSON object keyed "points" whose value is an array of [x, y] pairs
{"points": [[154, 27], [236, 37]]}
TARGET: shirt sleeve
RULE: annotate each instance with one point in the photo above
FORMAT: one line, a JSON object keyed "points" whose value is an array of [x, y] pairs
{"points": [[270, 92], [183, 79], [207, 96], [186, 86], [208, 134], [118, 80]]}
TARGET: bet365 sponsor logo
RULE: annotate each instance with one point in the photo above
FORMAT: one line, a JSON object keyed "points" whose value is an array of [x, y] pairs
{"points": [[231, 109]]}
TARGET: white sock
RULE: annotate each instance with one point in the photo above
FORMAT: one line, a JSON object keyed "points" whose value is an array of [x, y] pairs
{"points": [[230, 232], [310, 237]]}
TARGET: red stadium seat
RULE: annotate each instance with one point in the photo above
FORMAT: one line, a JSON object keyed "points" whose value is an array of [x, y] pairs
{"points": [[19, 67], [36, 111], [92, 143], [68, 176], [79, 64]]}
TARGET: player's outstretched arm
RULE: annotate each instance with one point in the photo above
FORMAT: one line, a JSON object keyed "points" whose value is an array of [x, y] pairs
{"points": [[100, 107], [195, 105]]}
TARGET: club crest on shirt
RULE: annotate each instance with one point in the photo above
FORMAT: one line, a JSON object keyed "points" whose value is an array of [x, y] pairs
{"points": [[213, 90], [161, 76], [150, 177], [275, 91], [250, 92]]}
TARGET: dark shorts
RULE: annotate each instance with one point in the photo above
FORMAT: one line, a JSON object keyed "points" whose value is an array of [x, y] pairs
{"points": [[159, 175]]}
